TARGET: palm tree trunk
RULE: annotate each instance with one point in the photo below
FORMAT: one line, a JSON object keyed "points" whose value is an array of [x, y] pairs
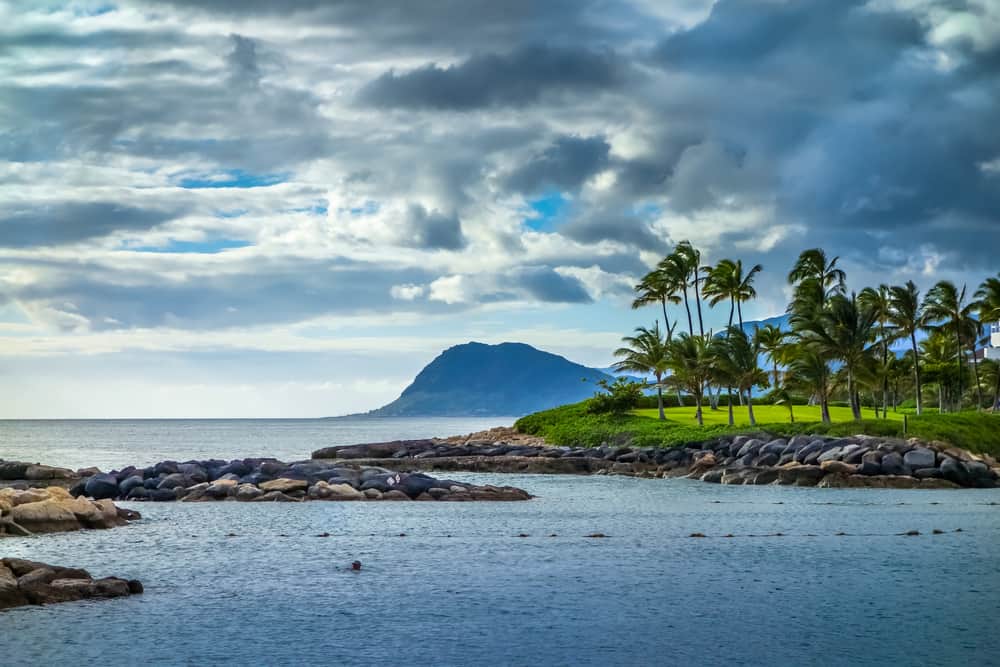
{"points": [[680, 399], [916, 370], [732, 307], [659, 399], [791, 410], [697, 414], [739, 311], [666, 322], [697, 301], [975, 370], [687, 307], [775, 374], [885, 377], [958, 337], [824, 403], [996, 392], [729, 392], [753, 422], [853, 395]]}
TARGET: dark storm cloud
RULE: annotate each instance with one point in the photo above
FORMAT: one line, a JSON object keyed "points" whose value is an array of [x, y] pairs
{"points": [[518, 78], [545, 284], [434, 230], [564, 165], [53, 224]]}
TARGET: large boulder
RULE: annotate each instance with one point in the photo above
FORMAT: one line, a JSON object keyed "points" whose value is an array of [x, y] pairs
{"points": [[47, 516], [284, 485], [921, 457], [10, 594], [101, 486], [39, 472], [955, 471], [800, 475], [892, 464]]}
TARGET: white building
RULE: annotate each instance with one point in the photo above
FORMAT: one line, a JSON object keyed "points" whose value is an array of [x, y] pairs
{"points": [[992, 350]]}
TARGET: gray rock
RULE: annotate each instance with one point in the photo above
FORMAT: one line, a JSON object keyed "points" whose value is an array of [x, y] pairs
{"points": [[173, 481], [750, 447], [868, 467], [920, 457], [831, 454], [892, 464], [101, 486], [927, 473], [955, 471], [807, 450], [129, 483], [855, 456], [769, 476], [767, 460], [787, 457], [775, 446], [713, 476]]}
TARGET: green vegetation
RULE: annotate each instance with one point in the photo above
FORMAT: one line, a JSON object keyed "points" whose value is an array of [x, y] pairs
{"points": [[768, 414], [838, 346], [574, 425]]}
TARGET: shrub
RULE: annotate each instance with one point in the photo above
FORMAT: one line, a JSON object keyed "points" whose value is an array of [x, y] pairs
{"points": [[618, 397]]}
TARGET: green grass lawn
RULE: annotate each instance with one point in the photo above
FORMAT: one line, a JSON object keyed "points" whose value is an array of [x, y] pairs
{"points": [[573, 425], [765, 414]]}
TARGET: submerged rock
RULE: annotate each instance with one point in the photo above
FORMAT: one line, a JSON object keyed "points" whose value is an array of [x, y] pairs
{"points": [[24, 582]]}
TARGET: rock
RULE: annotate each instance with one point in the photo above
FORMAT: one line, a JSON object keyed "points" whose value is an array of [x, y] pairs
{"points": [[373, 494], [46, 516], [394, 495], [800, 475], [101, 486], [767, 460], [129, 483], [768, 476], [921, 457], [274, 496], [807, 450], [26, 582], [10, 594], [29, 496], [927, 473], [856, 455], [40, 472], [775, 446], [868, 467], [750, 447], [284, 485], [246, 492], [955, 471], [162, 495], [838, 467], [173, 481], [713, 476], [892, 464]]}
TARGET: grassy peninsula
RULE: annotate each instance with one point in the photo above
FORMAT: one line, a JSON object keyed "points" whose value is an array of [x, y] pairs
{"points": [[575, 425]]}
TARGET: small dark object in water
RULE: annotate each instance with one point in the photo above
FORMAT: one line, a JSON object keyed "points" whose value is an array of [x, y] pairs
{"points": [[356, 565], [522, 535], [911, 533], [728, 535], [231, 535], [553, 535], [402, 534], [596, 535], [840, 534], [937, 531], [697, 535], [323, 535], [958, 530]]}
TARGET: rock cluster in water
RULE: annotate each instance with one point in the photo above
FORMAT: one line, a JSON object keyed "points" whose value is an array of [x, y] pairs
{"points": [[265, 479], [836, 462], [53, 509], [24, 582], [803, 460]]}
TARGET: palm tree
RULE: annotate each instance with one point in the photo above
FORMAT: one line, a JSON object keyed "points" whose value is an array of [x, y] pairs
{"points": [[771, 340], [988, 305], [816, 280], [726, 281], [689, 358], [784, 397], [843, 331], [674, 272], [645, 352], [689, 258], [879, 301], [945, 305], [810, 370], [907, 317], [737, 357], [938, 353], [655, 287]]}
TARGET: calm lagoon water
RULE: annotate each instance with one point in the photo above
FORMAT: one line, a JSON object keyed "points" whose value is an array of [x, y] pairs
{"points": [[462, 588]]}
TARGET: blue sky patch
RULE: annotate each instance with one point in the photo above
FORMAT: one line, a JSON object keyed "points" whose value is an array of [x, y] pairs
{"points": [[209, 246], [232, 178], [548, 210]]}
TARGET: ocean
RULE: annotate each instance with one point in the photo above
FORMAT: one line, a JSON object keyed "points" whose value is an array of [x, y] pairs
{"points": [[808, 576]]}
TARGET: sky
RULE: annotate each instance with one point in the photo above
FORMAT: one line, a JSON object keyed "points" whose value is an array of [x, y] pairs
{"points": [[243, 208]]}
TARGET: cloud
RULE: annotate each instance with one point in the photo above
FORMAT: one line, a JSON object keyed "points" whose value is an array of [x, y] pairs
{"points": [[564, 165], [433, 230], [517, 79], [45, 224]]}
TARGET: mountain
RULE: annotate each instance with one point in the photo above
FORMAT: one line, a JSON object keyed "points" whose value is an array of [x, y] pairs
{"points": [[508, 379]]}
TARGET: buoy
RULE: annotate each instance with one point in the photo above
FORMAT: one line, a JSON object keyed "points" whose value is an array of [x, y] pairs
{"points": [[356, 565]]}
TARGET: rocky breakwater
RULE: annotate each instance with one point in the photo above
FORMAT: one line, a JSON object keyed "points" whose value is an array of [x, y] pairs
{"points": [[264, 480], [50, 510], [803, 460], [856, 461], [25, 582]]}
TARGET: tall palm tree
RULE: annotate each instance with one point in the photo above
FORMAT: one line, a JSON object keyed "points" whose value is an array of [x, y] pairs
{"points": [[737, 357], [771, 341], [726, 280], [690, 361], [988, 305], [816, 280], [879, 301], [689, 257], [938, 353], [674, 272], [945, 305], [655, 287], [907, 316], [843, 331], [645, 352]]}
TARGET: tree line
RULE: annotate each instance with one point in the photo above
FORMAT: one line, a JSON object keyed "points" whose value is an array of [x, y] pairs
{"points": [[839, 344]]}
